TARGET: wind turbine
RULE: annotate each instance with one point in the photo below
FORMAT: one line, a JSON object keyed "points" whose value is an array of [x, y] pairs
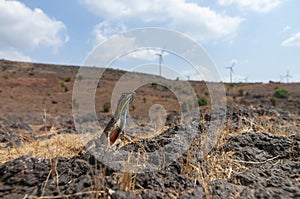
{"points": [[160, 60], [231, 70], [287, 76], [246, 79]]}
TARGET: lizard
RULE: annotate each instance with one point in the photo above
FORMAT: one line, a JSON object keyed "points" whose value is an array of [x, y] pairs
{"points": [[115, 127]]}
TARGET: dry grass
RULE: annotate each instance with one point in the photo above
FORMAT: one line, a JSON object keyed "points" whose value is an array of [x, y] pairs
{"points": [[63, 145]]}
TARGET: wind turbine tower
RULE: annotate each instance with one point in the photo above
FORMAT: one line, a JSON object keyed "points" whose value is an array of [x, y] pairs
{"points": [[287, 76], [231, 70], [160, 60]]}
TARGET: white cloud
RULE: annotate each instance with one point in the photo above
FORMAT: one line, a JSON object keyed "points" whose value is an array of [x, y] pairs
{"points": [[146, 54], [262, 6], [104, 30], [117, 9], [22, 28], [112, 49], [286, 28], [14, 55], [201, 23], [294, 40]]}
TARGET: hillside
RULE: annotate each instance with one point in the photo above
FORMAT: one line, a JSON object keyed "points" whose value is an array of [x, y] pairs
{"points": [[35, 88]]}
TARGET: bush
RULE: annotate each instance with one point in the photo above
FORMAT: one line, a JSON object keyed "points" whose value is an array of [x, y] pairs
{"points": [[281, 93], [66, 89], [62, 84], [241, 92], [202, 101], [273, 101], [106, 107], [154, 85], [68, 79]]}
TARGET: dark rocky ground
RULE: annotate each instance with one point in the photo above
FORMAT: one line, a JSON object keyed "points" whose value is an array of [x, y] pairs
{"points": [[271, 165]]}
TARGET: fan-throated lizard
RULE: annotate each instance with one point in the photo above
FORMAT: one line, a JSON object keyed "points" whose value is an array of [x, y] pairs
{"points": [[116, 125]]}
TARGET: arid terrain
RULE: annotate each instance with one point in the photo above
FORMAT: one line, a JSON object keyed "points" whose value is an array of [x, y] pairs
{"points": [[42, 155]]}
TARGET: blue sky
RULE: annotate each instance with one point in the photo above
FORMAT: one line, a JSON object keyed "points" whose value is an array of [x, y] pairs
{"points": [[262, 37]]}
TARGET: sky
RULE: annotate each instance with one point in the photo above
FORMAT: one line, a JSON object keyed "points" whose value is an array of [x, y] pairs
{"points": [[260, 37]]}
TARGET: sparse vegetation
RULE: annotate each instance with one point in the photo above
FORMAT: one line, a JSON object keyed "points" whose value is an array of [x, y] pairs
{"points": [[202, 101], [281, 93], [273, 101], [241, 92], [4, 68], [62, 84], [68, 79], [106, 107], [154, 85]]}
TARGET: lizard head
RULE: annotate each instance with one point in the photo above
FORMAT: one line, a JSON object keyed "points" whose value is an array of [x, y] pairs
{"points": [[122, 108]]}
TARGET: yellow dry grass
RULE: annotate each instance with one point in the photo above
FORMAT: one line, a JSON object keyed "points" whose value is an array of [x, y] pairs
{"points": [[62, 145]]}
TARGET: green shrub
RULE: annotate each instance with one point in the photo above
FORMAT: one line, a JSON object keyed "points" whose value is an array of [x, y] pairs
{"points": [[273, 101], [106, 107], [202, 101], [68, 79], [241, 92], [154, 85], [281, 93], [62, 84], [66, 89]]}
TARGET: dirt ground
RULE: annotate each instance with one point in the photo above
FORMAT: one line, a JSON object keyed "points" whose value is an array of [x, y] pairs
{"points": [[42, 155]]}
